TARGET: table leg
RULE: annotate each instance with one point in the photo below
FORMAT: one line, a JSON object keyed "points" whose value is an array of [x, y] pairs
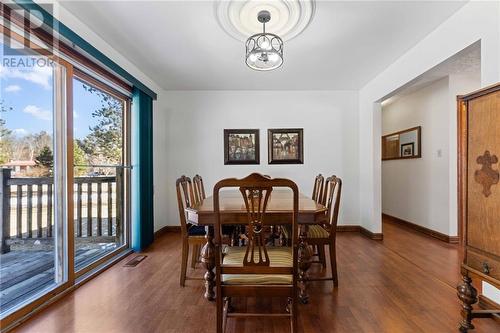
{"points": [[208, 261], [304, 258]]}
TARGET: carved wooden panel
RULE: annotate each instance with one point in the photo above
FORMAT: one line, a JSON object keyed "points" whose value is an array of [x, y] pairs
{"points": [[487, 176], [483, 191]]}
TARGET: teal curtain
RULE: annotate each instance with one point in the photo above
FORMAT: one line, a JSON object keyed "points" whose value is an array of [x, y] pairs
{"points": [[142, 170]]}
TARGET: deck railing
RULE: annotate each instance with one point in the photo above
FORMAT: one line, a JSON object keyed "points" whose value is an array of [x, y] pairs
{"points": [[93, 198]]}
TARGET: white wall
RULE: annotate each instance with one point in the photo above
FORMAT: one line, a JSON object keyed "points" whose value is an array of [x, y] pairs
{"points": [[476, 21], [416, 190], [193, 141]]}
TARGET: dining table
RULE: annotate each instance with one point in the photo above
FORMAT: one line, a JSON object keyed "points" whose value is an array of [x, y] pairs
{"points": [[233, 212]]}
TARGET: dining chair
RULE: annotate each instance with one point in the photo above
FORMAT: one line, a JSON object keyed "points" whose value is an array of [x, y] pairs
{"points": [[256, 270], [199, 189], [325, 234], [192, 235], [199, 196], [318, 187], [319, 251], [317, 195]]}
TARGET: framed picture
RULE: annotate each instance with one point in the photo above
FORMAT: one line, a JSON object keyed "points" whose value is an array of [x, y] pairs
{"points": [[285, 146], [402, 144], [407, 149], [241, 146]]}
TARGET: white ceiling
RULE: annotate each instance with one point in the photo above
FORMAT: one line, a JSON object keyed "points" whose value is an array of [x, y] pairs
{"points": [[466, 62], [180, 45]]}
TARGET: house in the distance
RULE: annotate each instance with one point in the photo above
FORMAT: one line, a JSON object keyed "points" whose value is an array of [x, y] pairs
{"points": [[19, 168]]}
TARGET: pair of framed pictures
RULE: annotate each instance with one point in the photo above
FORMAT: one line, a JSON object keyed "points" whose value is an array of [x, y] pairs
{"points": [[285, 146]]}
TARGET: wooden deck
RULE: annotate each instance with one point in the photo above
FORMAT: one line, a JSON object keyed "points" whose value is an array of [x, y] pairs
{"points": [[25, 273]]}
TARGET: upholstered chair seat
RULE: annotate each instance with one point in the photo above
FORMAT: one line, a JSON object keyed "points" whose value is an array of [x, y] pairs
{"points": [[278, 257], [317, 231]]}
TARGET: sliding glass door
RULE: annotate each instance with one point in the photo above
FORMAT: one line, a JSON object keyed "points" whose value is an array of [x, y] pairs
{"points": [[33, 176], [100, 171], [63, 174]]}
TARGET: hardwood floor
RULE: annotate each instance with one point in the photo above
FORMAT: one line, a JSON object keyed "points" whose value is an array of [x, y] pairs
{"points": [[384, 286]]}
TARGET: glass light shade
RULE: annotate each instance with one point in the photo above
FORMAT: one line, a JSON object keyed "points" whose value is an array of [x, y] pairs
{"points": [[264, 52]]}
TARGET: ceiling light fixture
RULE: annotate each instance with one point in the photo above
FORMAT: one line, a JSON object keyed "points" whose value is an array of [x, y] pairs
{"points": [[264, 51]]}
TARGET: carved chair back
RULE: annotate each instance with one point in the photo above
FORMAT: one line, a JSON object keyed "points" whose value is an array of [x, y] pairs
{"points": [[332, 193], [318, 187], [323, 198], [199, 189], [185, 200], [256, 191]]}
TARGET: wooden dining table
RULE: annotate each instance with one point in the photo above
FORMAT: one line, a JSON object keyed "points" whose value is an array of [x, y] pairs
{"points": [[233, 212]]}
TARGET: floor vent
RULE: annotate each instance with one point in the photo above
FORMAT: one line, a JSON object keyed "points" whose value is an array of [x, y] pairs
{"points": [[136, 261]]}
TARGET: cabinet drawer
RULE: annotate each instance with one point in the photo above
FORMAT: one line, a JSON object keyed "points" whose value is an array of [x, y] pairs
{"points": [[483, 264]]}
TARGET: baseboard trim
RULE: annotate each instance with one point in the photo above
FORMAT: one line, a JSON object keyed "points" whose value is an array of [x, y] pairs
{"points": [[372, 235], [361, 230], [348, 228], [424, 230], [166, 229]]}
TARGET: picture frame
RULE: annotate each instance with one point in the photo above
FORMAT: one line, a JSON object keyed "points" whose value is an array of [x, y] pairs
{"points": [[241, 146], [407, 149], [285, 145], [396, 146]]}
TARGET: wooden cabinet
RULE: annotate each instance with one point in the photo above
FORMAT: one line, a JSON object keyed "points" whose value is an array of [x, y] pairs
{"points": [[479, 196]]}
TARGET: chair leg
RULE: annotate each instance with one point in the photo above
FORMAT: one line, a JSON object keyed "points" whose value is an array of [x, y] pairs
{"points": [[315, 251], [333, 263], [184, 262], [227, 301], [321, 255], [293, 318], [194, 255], [198, 253], [220, 315], [230, 307]]}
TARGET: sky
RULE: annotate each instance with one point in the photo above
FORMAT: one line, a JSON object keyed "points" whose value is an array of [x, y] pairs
{"points": [[28, 90]]}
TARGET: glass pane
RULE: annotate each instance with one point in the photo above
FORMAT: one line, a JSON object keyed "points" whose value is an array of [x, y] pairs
{"points": [[31, 231], [98, 151]]}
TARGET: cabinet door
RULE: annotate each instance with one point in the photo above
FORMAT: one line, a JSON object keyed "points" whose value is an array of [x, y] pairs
{"points": [[483, 204]]}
